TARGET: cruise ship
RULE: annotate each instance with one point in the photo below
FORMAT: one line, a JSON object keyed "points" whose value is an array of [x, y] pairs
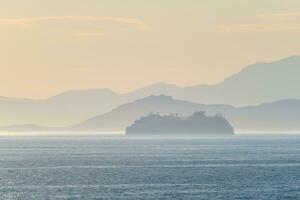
{"points": [[196, 124]]}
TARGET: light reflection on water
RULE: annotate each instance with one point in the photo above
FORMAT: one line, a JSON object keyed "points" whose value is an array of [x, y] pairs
{"points": [[240, 167]]}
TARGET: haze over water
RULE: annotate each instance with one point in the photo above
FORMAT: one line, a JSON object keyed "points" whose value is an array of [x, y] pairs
{"points": [[240, 167]]}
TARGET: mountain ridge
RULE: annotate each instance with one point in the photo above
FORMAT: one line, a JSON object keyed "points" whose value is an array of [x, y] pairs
{"points": [[278, 116], [266, 117], [253, 85]]}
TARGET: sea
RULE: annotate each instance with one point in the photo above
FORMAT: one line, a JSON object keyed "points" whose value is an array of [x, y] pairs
{"points": [[117, 167]]}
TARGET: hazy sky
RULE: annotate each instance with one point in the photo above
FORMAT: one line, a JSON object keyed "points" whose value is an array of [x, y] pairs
{"points": [[48, 46]]}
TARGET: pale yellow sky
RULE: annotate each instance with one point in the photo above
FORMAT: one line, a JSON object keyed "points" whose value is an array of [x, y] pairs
{"points": [[54, 45]]}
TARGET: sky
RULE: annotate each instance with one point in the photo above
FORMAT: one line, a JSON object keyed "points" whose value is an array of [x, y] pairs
{"points": [[51, 46]]}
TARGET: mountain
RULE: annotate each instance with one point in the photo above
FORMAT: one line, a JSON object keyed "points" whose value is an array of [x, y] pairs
{"points": [[122, 116], [262, 82], [256, 84], [61, 110], [280, 116], [155, 89]]}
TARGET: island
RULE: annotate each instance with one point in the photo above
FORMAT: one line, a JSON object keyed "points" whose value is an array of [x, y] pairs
{"points": [[196, 124]]}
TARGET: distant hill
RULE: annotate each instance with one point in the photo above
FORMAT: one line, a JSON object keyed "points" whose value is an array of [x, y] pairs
{"points": [[256, 84], [280, 116], [124, 115], [61, 110]]}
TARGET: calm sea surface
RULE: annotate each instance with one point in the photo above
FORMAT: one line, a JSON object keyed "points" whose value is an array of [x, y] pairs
{"points": [[248, 167]]}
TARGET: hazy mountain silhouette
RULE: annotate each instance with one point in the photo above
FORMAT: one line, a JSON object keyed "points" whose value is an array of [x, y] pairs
{"points": [[155, 89], [124, 115], [255, 84], [61, 110], [279, 116], [259, 83], [262, 82]]}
